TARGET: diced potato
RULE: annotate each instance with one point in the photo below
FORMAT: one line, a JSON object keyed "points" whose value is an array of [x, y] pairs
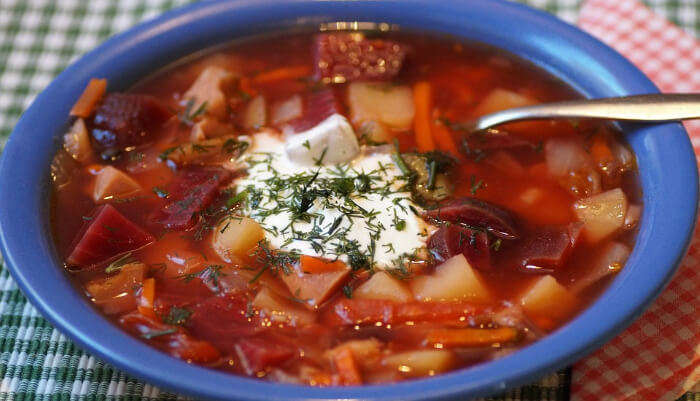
{"points": [[388, 104], [314, 288], [255, 115], [602, 214], [112, 184], [287, 110], [236, 236], [77, 142], [634, 213], [383, 286], [209, 128], [455, 279], [332, 141], [421, 362], [611, 260], [281, 310], [210, 87], [114, 294], [373, 132], [180, 262], [501, 99], [565, 156], [548, 299]]}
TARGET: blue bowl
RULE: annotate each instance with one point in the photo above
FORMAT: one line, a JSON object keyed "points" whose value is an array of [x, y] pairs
{"points": [[666, 164]]}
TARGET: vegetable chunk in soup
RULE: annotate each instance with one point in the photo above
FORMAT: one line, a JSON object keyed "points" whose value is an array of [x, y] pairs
{"points": [[308, 210]]}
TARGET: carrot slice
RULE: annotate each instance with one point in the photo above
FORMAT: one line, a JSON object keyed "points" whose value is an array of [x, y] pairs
{"points": [[347, 369], [443, 139], [148, 296], [471, 337], [601, 151], [310, 264], [279, 74], [422, 100], [92, 94]]}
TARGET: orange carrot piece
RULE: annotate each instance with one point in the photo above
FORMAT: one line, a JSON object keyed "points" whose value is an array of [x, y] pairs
{"points": [[92, 94], [279, 74], [444, 140], [471, 337], [422, 100], [246, 85], [347, 369], [601, 151], [310, 264], [148, 296]]}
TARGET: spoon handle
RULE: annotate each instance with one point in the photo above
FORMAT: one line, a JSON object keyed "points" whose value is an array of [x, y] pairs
{"points": [[656, 107]]}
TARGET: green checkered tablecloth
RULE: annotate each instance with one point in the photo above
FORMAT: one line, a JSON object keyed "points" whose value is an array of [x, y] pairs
{"points": [[38, 39]]}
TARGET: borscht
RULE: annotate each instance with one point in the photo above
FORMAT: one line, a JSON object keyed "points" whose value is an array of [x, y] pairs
{"points": [[309, 208]]}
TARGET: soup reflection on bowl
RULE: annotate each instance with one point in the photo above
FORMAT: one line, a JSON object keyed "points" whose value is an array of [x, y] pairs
{"points": [[306, 207]]}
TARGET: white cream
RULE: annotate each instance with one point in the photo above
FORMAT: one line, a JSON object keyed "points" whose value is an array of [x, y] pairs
{"points": [[266, 158]]}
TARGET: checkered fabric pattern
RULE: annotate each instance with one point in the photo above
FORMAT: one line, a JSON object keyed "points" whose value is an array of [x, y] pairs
{"points": [[38, 39]]}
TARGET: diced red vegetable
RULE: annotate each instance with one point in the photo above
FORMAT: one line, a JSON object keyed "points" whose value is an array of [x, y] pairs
{"points": [[548, 248], [369, 311], [452, 240], [107, 234], [346, 57], [257, 354], [223, 320], [475, 212], [192, 190], [170, 339], [317, 107], [125, 119]]}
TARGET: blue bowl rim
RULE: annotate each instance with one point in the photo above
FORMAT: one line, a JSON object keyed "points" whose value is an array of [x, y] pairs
{"points": [[667, 223]]}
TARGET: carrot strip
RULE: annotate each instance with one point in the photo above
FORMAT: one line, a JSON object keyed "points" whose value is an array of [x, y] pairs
{"points": [[310, 264], [422, 99], [347, 369], [601, 151], [148, 296], [443, 139], [246, 86], [92, 94], [471, 337], [282, 73]]}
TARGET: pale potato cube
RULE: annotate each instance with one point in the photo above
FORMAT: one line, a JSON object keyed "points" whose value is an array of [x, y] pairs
{"points": [[210, 87], [388, 104], [235, 236], [314, 288], [112, 184], [287, 110], [547, 298], [77, 142], [372, 132], [421, 362], [281, 310], [501, 99], [333, 141], [115, 294], [454, 279], [255, 115], [383, 286], [602, 214]]}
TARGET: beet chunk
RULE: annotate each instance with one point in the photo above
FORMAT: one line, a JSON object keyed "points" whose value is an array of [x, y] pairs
{"points": [[547, 248], [346, 57], [191, 191], [222, 320], [452, 240], [106, 235], [125, 119], [317, 107], [257, 354], [477, 213]]}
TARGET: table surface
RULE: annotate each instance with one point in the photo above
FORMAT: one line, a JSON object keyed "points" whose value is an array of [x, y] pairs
{"points": [[38, 39]]}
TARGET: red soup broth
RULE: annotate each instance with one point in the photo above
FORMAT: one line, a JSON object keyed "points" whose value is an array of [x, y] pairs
{"points": [[519, 227]]}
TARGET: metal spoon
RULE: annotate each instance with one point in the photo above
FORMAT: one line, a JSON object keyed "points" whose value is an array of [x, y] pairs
{"points": [[653, 108]]}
